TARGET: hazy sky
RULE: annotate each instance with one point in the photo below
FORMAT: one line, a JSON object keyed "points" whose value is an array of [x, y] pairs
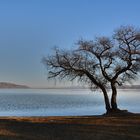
{"points": [[30, 28]]}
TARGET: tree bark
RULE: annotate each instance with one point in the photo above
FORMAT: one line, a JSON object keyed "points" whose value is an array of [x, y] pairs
{"points": [[106, 100], [114, 96]]}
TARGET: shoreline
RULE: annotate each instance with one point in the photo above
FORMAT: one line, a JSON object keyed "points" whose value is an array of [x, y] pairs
{"points": [[70, 128]]}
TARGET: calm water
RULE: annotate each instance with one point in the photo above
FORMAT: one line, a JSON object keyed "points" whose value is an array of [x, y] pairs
{"points": [[52, 102]]}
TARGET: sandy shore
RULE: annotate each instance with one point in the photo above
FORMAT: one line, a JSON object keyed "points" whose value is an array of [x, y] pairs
{"points": [[70, 128]]}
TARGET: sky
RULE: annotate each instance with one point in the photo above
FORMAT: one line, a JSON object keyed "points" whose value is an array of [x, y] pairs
{"points": [[29, 29]]}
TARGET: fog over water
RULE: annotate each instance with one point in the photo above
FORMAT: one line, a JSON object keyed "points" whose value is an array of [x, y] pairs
{"points": [[61, 102]]}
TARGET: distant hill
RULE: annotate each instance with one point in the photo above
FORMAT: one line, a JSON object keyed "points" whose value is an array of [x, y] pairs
{"points": [[11, 85]]}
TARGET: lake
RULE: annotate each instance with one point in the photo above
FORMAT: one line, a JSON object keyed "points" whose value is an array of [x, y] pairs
{"points": [[61, 102]]}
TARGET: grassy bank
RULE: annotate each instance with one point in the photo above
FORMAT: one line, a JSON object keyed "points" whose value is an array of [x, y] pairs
{"points": [[70, 128]]}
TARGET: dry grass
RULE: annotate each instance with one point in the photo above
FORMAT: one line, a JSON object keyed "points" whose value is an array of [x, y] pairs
{"points": [[70, 128]]}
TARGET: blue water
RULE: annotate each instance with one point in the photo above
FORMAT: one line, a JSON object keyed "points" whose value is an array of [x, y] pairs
{"points": [[61, 102]]}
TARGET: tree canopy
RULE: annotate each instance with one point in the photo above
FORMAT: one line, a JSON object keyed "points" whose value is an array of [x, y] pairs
{"points": [[105, 62]]}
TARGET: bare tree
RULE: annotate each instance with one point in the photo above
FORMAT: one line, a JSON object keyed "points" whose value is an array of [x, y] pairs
{"points": [[103, 63]]}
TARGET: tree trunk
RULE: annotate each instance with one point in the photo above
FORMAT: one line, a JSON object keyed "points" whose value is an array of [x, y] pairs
{"points": [[114, 96], [106, 100]]}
